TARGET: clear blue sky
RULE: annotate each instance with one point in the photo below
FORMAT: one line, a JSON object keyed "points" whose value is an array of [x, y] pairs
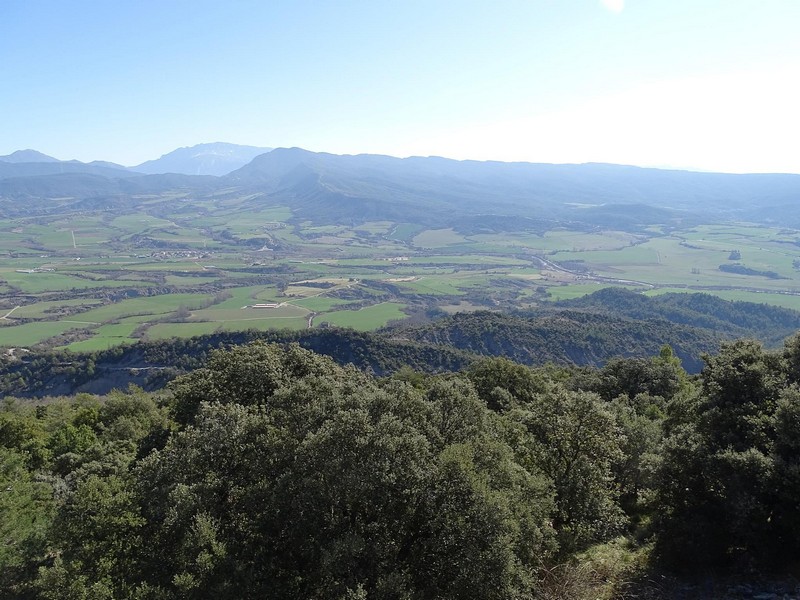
{"points": [[702, 84]]}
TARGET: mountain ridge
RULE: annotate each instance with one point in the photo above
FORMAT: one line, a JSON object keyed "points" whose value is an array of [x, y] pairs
{"points": [[23, 156], [327, 188], [43, 169], [339, 187], [216, 158]]}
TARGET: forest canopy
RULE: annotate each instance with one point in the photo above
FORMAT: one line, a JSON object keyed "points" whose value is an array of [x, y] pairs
{"points": [[272, 471]]}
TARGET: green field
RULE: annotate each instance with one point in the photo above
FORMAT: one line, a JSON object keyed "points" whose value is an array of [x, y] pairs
{"points": [[438, 238], [107, 336], [154, 305], [319, 304], [283, 311], [567, 292], [165, 267], [34, 283], [29, 334], [43, 310], [368, 318], [168, 330]]}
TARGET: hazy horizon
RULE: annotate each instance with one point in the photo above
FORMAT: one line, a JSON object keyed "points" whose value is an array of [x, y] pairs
{"points": [[659, 167], [680, 85]]}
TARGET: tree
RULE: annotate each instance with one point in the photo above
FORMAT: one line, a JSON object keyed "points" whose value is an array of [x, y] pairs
{"points": [[26, 506], [502, 383], [660, 376], [574, 440], [247, 375], [98, 533], [640, 421], [485, 525], [325, 485], [723, 478], [740, 387]]}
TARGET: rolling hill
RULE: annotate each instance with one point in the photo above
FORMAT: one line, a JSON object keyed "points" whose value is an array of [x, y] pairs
{"points": [[325, 187]]}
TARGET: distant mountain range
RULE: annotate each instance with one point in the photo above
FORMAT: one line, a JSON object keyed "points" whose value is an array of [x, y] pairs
{"points": [[42, 169], [470, 196], [26, 156], [203, 159], [329, 187]]}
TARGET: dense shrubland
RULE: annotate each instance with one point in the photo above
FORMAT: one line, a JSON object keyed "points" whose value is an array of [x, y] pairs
{"points": [[274, 472]]}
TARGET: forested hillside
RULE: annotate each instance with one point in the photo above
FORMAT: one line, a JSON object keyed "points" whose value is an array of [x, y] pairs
{"points": [[565, 337], [329, 188], [588, 331], [771, 324], [271, 471]]}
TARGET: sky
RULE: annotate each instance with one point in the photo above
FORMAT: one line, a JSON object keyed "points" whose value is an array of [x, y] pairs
{"points": [[709, 85]]}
